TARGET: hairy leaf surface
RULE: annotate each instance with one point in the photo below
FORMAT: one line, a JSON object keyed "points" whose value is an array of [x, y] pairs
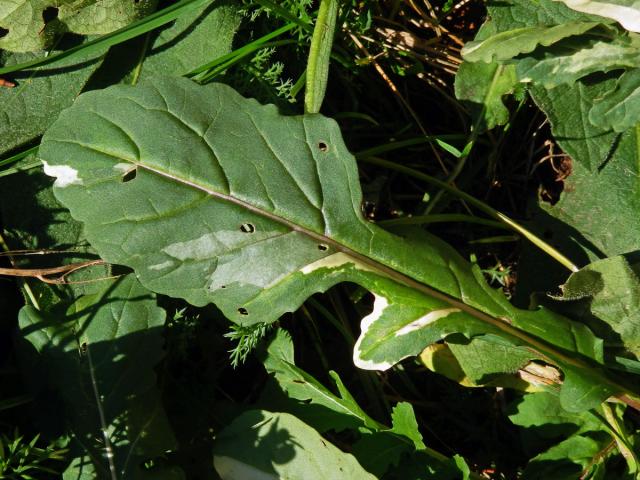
{"points": [[603, 162], [31, 25], [619, 109], [606, 296], [32, 106]]}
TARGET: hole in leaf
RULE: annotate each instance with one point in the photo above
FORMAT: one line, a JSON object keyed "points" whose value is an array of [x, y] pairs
{"points": [[322, 247], [49, 14], [223, 286], [130, 175], [3, 32], [243, 311], [323, 147], [247, 228]]}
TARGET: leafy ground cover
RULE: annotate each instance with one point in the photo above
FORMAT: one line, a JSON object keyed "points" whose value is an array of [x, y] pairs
{"points": [[298, 239]]}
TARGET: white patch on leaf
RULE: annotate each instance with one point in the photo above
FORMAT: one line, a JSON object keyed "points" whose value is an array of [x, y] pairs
{"points": [[334, 261], [380, 303], [64, 175], [123, 167], [161, 266], [426, 320], [200, 248], [627, 16]]}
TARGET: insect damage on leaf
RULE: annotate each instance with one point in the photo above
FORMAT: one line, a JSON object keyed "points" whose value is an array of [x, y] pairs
{"points": [[64, 174]]}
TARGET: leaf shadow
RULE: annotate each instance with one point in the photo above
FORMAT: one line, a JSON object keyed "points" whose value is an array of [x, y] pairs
{"points": [[89, 389]]}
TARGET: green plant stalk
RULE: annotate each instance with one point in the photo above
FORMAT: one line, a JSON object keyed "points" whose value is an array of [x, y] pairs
{"points": [[23, 281], [143, 54], [299, 84], [320, 56], [20, 168], [314, 335], [244, 50], [144, 25], [496, 239], [208, 76], [391, 146], [617, 431], [284, 13], [442, 218], [18, 156], [537, 241]]}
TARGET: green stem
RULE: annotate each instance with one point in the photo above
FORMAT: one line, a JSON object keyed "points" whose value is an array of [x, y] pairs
{"points": [[410, 142], [620, 437], [244, 50], [284, 13], [483, 207], [207, 76], [143, 54], [441, 218], [320, 56]]}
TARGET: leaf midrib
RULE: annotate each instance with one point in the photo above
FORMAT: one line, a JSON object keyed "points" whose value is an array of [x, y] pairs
{"points": [[502, 324]]}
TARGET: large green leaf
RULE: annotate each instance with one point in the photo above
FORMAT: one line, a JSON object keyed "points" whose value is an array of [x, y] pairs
{"points": [[266, 445], [99, 358], [29, 108], [31, 25], [619, 109], [229, 183], [214, 198], [195, 38], [572, 459], [603, 162], [583, 438], [606, 296], [543, 410]]}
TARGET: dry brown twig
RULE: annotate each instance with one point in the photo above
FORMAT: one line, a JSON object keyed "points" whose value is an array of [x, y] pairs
{"points": [[47, 274]]}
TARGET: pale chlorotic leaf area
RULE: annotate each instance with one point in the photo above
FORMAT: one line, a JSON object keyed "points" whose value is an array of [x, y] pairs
{"points": [[625, 12], [215, 198]]}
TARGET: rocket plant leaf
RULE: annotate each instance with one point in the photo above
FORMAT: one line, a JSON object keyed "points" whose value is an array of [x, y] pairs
{"points": [[215, 198]]}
